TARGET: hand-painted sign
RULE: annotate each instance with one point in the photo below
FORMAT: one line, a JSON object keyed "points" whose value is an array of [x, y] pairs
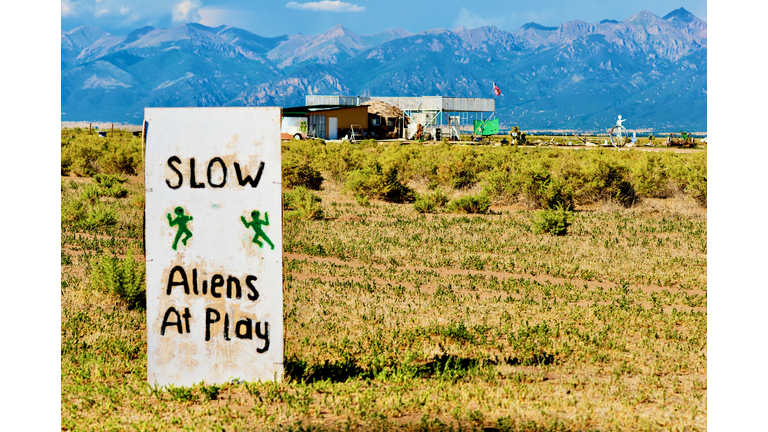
{"points": [[214, 257]]}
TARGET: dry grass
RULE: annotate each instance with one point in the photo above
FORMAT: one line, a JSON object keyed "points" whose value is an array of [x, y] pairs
{"points": [[399, 320]]}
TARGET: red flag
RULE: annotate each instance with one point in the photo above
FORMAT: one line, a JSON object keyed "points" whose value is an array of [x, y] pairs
{"points": [[496, 89]]}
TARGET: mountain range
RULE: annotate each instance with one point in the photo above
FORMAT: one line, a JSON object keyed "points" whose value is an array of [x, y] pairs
{"points": [[652, 70]]}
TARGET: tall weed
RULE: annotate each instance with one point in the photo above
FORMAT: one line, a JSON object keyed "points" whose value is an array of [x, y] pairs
{"points": [[124, 277], [430, 202], [470, 204], [301, 203]]}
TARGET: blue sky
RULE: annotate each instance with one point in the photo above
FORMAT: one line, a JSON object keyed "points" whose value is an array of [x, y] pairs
{"points": [[275, 18]]}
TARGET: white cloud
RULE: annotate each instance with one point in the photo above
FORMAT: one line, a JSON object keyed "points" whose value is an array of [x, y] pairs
{"points": [[186, 11], [531, 16], [67, 9], [101, 13], [130, 19], [125, 10], [471, 20], [214, 17], [326, 6]]}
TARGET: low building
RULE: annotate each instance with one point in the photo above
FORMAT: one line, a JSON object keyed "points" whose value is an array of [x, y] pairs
{"points": [[329, 121]]}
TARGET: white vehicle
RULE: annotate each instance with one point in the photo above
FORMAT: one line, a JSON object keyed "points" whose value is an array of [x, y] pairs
{"points": [[296, 127]]}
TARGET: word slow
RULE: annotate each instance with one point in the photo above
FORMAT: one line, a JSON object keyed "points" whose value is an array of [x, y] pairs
{"points": [[215, 166]]}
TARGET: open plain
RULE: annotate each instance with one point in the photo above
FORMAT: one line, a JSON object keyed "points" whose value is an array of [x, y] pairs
{"points": [[436, 316]]}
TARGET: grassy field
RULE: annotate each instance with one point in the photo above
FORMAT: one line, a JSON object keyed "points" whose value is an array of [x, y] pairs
{"points": [[401, 319]]}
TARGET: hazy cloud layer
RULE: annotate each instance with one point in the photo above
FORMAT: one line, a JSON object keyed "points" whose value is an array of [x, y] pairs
{"points": [[284, 17], [186, 11], [326, 6], [470, 19]]}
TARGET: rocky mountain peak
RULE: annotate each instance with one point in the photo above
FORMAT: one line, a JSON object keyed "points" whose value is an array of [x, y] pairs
{"points": [[680, 14]]}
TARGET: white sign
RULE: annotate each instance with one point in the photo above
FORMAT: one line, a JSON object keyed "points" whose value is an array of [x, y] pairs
{"points": [[214, 245]]}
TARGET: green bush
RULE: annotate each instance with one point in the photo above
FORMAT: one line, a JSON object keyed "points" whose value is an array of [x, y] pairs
{"points": [[99, 215], [649, 176], [697, 183], [690, 176], [87, 155], [375, 182], [138, 200], [124, 277], [430, 202], [109, 180], [90, 193], [301, 203], [501, 185], [553, 221], [179, 394], [606, 180], [210, 392], [301, 173], [361, 200], [339, 158], [470, 204], [542, 190], [84, 212]]}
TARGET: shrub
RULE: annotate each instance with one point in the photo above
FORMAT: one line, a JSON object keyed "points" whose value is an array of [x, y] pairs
{"points": [[339, 158], [606, 180], [179, 394], [86, 155], [361, 200], [210, 392], [470, 204], [542, 190], [697, 183], [375, 182], [690, 176], [301, 173], [553, 221], [97, 216], [502, 185], [124, 277], [90, 193], [72, 210], [430, 202], [301, 203], [138, 200], [649, 176], [109, 180], [459, 170]]}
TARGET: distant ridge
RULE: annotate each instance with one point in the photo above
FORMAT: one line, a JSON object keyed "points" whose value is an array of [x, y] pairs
{"points": [[535, 26], [578, 75]]}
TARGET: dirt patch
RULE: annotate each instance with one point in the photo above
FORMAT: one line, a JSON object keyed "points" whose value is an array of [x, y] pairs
{"points": [[431, 289], [443, 271], [350, 218]]}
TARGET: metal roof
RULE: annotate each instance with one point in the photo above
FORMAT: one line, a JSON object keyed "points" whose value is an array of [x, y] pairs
{"points": [[409, 103]]}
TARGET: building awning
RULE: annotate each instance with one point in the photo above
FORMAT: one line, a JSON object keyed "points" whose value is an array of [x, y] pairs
{"points": [[304, 111]]}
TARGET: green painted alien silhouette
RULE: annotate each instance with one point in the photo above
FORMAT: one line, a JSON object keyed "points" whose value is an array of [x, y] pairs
{"points": [[256, 225], [181, 220]]}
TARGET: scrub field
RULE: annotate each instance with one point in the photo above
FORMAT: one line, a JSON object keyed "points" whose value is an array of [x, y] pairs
{"points": [[401, 319]]}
